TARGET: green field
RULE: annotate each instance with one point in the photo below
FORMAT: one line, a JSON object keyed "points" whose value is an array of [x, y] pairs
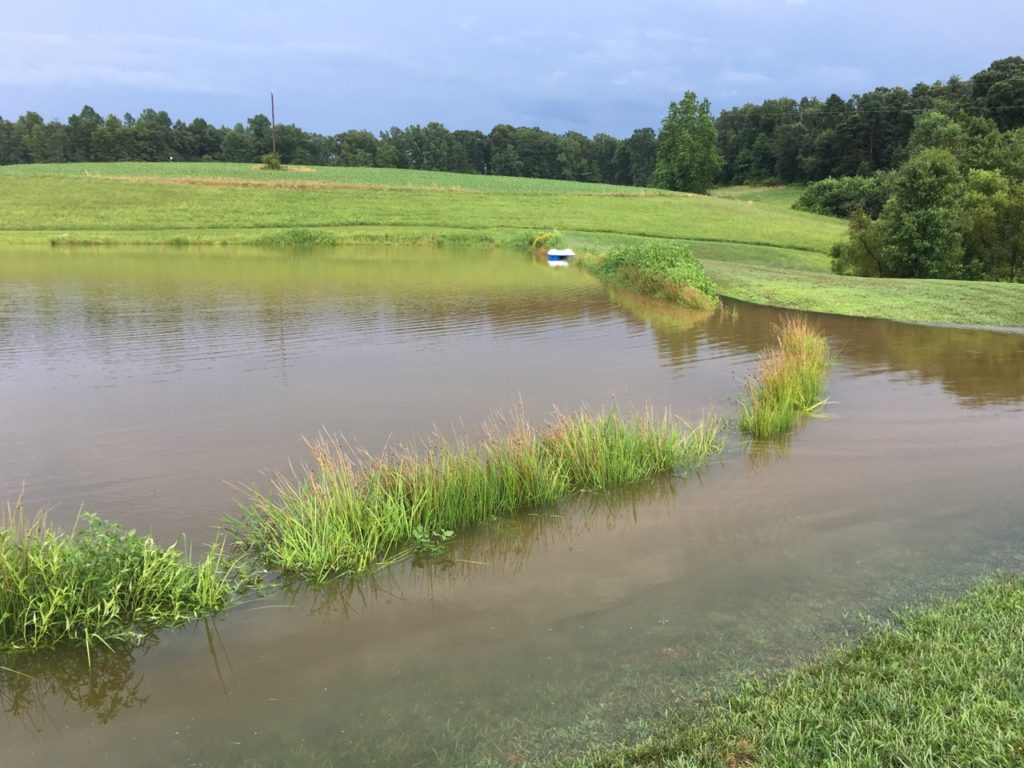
{"points": [[752, 243]]}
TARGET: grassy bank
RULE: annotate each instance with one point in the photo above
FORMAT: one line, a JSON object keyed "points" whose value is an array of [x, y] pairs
{"points": [[752, 244], [661, 270], [790, 381], [340, 517], [99, 585], [938, 687]]}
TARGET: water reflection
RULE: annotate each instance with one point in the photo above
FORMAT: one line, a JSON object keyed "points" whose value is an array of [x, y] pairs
{"points": [[979, 367], [102, 686], [155, 303]]}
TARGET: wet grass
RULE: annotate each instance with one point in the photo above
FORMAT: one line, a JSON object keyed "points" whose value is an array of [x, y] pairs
{"points": [[100, 585], [347, 517], [663, 270], [790, 381], [937, 687]]}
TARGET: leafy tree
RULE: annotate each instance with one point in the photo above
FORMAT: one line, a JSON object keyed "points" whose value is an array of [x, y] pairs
{"points": [[688, 159], [79, 133], [353, 148], [861, 252], [205, 140], [111, 141], [1011, 154], [921, 221], [154, 136], [391, 149], [574, 158], [937, 130], [999, 89], [609, 163], [843, 197], [471, 152], [642, 153], [237, 146]]}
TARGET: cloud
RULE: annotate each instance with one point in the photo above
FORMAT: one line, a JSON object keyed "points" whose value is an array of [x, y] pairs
{"points": [[745, 78]]}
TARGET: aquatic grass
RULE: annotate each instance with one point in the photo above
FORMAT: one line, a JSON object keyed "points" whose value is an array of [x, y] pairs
{"points": [[939, 686], [663, 270], [100, 584], [790, 381], [344, 516]]}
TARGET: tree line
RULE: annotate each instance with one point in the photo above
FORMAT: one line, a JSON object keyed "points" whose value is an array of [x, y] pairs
{"points": [[506, 150], [785, 141], [778, 141]]}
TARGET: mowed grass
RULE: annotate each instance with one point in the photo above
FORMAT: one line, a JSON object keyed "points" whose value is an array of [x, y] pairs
{"points": [[939, 686], [100, 584], [773, 196], [140, 202], [916, 301], [753, 245], [342, 517], [790, 381]]}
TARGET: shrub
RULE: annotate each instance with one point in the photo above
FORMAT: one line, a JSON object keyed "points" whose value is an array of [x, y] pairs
{"points": [[844, 196]]}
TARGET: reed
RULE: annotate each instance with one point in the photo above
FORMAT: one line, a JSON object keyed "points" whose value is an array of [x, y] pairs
{"points": [[100, 584], [790, 381], [343, 516]]}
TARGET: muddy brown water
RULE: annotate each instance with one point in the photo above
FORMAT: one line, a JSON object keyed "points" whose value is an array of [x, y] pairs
{"points": [[143, 384]]}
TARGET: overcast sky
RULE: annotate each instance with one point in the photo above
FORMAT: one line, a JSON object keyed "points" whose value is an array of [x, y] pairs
{"points": [[589, 65]]}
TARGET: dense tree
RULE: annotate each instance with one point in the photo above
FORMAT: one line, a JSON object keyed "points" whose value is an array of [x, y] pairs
{"points": [[687, 157], [998, 91], [921, 222], [641, 151]]}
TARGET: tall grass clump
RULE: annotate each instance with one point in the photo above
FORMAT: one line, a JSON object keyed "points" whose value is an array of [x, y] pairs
{"points": [[99, 584], [663, 270], [790, 381], [298, 236], [346, 517]]}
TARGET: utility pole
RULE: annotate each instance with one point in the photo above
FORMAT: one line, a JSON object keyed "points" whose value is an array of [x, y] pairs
{"points": [[273, 126]]}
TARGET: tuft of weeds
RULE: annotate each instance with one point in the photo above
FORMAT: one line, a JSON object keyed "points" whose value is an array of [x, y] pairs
{"points": [[100, 584], [346, 517], [298, 236], [790, 381], [664, 270]]}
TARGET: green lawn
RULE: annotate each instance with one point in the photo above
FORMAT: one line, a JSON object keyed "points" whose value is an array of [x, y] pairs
{"points": [[753, 244], [940, 687]]}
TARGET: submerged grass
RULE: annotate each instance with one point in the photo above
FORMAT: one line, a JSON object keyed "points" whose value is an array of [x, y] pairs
{"points": [[346, 517], [790, 381], [662, 270], [100, 584], [939, 687]]}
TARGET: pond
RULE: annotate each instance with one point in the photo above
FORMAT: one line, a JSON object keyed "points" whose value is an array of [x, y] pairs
{"points": [[149, 385]]}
